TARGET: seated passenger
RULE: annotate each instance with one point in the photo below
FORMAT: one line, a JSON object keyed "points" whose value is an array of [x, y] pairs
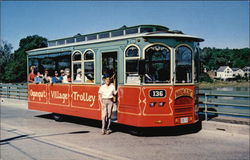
{"points": [[57, 78], [47, 78], [32, 74], [39, 78], [79, 75], [89, 78], [66, 77]]}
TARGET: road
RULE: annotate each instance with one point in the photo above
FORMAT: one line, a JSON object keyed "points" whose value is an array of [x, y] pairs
{"points": [[34, 135]]}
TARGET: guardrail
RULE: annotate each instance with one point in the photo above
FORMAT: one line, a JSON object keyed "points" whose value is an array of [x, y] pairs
{"points": [[211, 103], [15, 91]]}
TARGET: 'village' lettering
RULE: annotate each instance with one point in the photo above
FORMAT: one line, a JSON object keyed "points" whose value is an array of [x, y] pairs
{"points": [[58, 95], [39, 95], [85, 97]]}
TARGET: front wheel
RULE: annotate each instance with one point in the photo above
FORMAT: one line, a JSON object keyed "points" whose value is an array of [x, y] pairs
{"points": [[58, 117]]}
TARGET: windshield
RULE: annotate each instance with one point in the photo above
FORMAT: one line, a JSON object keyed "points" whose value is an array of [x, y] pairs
{"points": [[183, 60], [157, 64]]}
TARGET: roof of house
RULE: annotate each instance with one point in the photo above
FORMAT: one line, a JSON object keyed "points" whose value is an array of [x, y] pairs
{"points": [[246, 68], [222, 68], [235, 69]]}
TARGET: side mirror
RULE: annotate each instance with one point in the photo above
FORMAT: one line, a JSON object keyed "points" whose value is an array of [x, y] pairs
{"points": [[141, 67]]}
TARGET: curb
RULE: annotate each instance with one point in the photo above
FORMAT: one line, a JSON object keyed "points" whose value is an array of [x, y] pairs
{"points": [[227, 127]]}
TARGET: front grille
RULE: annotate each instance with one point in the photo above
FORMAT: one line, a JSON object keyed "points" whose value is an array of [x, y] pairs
{"points": [[183, 110]]}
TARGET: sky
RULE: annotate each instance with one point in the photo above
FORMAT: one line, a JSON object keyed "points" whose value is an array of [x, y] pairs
{"points": [[223, 24]]}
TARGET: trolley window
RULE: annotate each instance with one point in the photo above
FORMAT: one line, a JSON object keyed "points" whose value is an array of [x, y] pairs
{"points": [[77, 66], [132, 65], [89, 69], [183, 61], [157, 64]]}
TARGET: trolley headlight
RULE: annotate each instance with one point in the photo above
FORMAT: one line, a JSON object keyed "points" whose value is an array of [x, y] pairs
{"points": [[161, 104], [152, 104]]}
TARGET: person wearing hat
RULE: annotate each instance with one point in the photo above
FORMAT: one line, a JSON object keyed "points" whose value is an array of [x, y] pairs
{"points": [[66, 77], [106, 93], [79, 75]]}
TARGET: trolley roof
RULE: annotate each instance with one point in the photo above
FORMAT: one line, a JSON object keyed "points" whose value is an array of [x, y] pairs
{"points": [[145, 31]]}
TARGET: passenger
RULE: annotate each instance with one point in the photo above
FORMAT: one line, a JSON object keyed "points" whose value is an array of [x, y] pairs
{"points": [[89, 78], [39, 78], [47, 78], [57, 78], [66, 77], [62, 74], [32, 74], [79, 75], [106, 93]]}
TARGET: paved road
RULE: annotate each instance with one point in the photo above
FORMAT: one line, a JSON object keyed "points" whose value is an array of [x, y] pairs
{"points": [[34, 135]]}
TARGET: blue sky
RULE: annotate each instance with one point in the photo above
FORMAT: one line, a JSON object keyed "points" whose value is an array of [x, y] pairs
{"points": [[221, 24]]}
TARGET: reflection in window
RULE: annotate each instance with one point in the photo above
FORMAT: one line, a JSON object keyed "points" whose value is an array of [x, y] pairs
{"points": [[70, 40], [104, 35], [131, 30], [91, 37], [80, 39], [89, 67], [144, 30], [132, 52], [61, 42], [77, 56], [117, 33], [89, 55], [132, 65], [183, 62], [157, 64]]}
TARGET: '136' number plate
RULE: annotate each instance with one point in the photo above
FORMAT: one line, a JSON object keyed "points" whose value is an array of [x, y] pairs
{"points": [[157, 93]]}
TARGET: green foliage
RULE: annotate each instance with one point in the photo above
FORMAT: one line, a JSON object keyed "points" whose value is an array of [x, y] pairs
{"points": [[213, 58], [5, 57], [205, 78], [16, 69]]}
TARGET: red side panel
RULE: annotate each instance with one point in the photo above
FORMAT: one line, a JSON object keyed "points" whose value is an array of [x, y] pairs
{"points": [[174, 107]]}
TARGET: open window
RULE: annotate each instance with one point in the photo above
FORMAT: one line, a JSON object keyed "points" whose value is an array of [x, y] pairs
{"points": [[132, 65], [89, 67]]}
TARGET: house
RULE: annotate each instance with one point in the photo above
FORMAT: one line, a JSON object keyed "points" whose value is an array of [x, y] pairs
{"points": [[224, 72], [238, 72], [246, 71]]}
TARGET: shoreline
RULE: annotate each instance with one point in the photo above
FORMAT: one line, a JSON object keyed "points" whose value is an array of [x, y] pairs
{"points": [[221, 84]]}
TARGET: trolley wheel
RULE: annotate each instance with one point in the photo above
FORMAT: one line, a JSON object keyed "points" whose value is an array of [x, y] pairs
{"points": [[58, 117]]}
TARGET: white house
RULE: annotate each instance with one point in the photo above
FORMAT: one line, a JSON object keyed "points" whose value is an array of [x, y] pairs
{"points": [[224, 72], [238, 71]]}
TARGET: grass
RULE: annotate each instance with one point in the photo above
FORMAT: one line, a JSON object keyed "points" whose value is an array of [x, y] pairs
{"points": [[221, 84]]}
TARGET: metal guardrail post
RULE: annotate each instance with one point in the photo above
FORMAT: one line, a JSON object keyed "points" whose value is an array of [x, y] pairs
{"points": [[205, 106]]}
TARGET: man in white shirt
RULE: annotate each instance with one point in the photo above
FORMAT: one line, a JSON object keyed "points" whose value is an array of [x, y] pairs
{"points": [[106, 93]]}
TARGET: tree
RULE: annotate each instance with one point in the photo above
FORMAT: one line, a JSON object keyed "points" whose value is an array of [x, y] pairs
{"points": [[5, 56], [16, 70]]}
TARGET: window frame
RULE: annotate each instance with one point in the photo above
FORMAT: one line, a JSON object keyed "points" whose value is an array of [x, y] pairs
{"points": [[72, 66], [174, 64], [130, 58], [83, 67], [171, 64]]}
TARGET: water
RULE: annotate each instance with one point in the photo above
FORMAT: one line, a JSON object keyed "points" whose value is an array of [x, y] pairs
{"points": [[229, 104]]}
